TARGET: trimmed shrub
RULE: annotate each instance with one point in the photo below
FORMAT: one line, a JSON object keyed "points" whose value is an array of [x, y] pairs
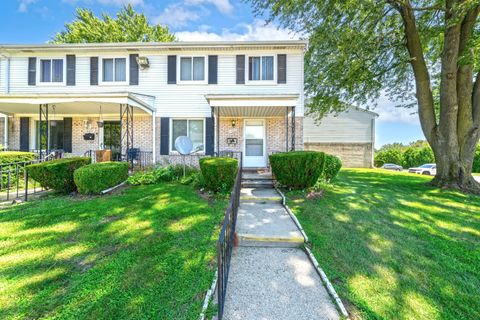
{"points": [[96, 177], [333, 165], [57, 174], [298, 169], [161, 174], [219, 173], [16, 156]]}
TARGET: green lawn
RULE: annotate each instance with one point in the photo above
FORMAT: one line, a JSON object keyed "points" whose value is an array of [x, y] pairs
{"points": [[148, 253], [395, 248]]}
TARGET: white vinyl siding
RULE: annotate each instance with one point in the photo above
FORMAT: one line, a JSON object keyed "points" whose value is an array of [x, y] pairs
{"points": [[186, 100], [351, 126]]}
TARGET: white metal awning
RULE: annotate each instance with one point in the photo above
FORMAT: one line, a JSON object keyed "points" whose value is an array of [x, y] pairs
{"points": [[261, 105], [76, 104]]}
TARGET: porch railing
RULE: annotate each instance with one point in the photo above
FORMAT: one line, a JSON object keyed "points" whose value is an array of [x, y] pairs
{"points": [[226, 239], [14, 181], [138, 159]]}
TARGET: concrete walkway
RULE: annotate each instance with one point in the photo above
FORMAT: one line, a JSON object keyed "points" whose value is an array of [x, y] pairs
{"points": [[271, 277]]}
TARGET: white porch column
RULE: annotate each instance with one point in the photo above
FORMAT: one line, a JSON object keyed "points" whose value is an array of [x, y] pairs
{"points": [[5, 132]]}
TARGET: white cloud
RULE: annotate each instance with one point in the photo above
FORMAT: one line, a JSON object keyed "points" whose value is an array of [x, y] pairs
{"points": [[388, 112], [23, 5], [176, 16], [224, 6], [257, 30], [108, 2]]}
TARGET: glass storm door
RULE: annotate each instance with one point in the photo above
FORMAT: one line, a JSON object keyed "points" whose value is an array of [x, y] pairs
{"points": [[111, 138], [254, 153]]}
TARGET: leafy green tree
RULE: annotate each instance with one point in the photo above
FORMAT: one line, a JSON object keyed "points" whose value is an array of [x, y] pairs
{"points": [[128, 26], [361, 48], [414, 156], [389, 155]]}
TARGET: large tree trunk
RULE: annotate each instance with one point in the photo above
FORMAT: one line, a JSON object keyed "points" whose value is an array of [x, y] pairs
{"points": [[455, 135], [454, 170]]}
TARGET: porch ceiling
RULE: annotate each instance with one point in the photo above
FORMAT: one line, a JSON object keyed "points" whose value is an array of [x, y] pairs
{"points": [[252, 105], [76, 104]]}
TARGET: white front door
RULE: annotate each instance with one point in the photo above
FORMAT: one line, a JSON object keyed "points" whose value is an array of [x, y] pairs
{"points": [[254, 144]]}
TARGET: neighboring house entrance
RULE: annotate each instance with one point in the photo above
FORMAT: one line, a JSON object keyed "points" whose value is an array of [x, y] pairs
{"points": [[254, 149], [111, 138]]}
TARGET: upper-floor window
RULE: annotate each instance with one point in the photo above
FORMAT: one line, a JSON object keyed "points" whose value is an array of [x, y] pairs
{"points": [[192, 128], [261, 68], [114, 69], [51, 70], [192, 69]]}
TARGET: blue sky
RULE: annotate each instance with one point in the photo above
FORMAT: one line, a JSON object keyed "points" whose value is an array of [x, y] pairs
{"points": [[36, 21]]}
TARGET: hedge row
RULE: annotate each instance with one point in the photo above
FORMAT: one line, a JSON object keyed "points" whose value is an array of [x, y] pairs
{"points": [[71, 174], [57, 174], [16, 156]]}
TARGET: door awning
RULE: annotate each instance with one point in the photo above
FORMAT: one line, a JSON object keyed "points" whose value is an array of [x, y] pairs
{"points": [[260, 105], [76, 104]]}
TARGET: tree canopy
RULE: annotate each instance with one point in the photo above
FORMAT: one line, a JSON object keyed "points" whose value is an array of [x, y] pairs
{"points": [[423, 50], [127, 26]]}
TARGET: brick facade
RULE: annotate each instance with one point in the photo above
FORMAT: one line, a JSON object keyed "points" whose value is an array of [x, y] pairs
{"points": [[275, 134], [353, 155]]}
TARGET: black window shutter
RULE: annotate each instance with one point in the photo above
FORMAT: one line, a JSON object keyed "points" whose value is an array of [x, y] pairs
{"points": [[70, 70], [172, 70], [209, 136], [164, 135], [240, 69], [212, 69], [32, 71], [24, 133], [282, 68], [67, 134], [93, 71], [133, 69]]}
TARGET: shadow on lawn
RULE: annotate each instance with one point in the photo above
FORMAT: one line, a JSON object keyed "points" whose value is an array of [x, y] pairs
{"points": [[148, 253], [396, 248]]}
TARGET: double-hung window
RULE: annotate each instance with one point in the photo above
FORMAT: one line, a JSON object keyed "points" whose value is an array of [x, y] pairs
{"points": [[192, 128], [51, 70], [192, 69], [261, 68], [114, 69]]}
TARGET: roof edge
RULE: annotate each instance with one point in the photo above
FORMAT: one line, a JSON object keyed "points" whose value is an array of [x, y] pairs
{"points": [[155, 45]]}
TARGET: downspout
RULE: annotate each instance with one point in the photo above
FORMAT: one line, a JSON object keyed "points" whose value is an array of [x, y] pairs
{"points": [[373, 143], [154, 134]]}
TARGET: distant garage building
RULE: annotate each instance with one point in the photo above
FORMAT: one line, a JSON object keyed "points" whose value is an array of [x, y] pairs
{"points": [[350, 135]]}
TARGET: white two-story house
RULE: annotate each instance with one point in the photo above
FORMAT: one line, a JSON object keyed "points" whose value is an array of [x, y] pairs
{"points": [[236, 96]]}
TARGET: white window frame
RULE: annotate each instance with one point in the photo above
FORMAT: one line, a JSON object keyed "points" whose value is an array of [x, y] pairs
{"points": [[261, 82], [39, 71], [113, 83], [204, 81], [170, 135]]}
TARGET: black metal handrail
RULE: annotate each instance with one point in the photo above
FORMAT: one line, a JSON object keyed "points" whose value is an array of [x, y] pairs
{"points": [[14, 181], [138, 159], [226, 239]]}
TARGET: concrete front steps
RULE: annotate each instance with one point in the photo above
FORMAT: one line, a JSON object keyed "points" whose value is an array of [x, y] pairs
{"points": [[252, 179], [262, 220]]}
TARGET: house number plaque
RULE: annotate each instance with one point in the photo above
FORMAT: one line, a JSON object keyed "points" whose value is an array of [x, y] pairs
{"points": [[232, 140]]}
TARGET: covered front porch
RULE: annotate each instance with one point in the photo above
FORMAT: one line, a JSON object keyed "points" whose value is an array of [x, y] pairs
{"points": [[80, 124], [256, 125]]}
